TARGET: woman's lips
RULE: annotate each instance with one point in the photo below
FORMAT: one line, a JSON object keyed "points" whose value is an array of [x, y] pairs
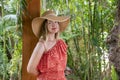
{"points": [[53, 28]]}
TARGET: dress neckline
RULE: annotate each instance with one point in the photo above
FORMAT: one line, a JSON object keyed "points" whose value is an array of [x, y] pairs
{"points": [[52, 47]]}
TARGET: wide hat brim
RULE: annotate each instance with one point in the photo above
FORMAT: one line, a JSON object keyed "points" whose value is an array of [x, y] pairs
{"points": [[37, 23]]}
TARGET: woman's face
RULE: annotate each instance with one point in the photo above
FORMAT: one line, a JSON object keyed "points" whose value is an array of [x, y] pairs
{"points": [[53, 26]]}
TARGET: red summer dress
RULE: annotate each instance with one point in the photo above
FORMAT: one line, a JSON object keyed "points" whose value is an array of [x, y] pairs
{"points": [[53, 62]]}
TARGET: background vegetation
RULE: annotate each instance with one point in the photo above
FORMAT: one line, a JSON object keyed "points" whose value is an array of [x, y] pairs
{"points": [[91, 21], [10, 40]]}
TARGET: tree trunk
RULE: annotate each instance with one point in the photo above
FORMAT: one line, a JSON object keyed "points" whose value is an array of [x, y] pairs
{"points": [[29, 40], [113, 41]]}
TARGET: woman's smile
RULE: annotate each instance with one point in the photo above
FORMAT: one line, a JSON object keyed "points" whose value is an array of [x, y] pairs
{"points": [[53, 28]]}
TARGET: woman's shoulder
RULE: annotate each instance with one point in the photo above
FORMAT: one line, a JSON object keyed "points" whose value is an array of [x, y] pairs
{"points": [[62, 44], [62, 41], [41, 40], [40, 43]]}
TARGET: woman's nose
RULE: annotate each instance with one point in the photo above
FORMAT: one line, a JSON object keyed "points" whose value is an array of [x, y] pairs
{"points": [[53, 24]]}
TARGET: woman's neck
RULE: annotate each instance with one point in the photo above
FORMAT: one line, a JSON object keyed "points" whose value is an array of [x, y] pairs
{"points": [[50, 37]]}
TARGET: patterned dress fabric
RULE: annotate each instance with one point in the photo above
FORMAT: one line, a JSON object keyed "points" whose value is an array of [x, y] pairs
{"points": [[53, 62]]}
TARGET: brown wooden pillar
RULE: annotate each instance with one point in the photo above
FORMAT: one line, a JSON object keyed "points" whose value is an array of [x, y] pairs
{"points": [[29, 40]]}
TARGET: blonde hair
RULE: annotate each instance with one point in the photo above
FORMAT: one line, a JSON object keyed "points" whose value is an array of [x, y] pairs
{"points": [[44, 31]]}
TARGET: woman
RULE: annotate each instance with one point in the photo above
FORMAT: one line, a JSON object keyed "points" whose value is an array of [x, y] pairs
{"points": [[49, 58]]}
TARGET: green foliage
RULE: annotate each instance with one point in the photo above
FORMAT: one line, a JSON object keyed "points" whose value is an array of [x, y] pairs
{"points": [[10, 42], [114, 74]]}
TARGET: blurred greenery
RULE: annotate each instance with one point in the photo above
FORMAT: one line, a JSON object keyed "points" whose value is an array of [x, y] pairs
{"points": [[91, 21], [10, 41], [113, 74]]}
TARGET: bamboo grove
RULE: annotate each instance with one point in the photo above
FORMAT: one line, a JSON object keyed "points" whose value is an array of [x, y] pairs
{"points": [[91, 21]]}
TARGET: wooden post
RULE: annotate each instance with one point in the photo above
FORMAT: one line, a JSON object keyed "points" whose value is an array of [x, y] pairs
{"points": [[29, 40]]}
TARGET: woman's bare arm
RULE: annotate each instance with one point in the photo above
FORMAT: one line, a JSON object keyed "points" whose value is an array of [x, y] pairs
{"points": [[36, 56]]}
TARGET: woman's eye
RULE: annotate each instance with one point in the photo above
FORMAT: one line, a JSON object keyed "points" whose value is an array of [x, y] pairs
{"points": [[49, 23]]}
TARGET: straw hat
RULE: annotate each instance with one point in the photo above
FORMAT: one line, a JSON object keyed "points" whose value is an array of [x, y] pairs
{"points": [[49, 15]]}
